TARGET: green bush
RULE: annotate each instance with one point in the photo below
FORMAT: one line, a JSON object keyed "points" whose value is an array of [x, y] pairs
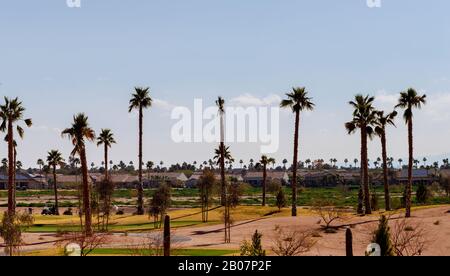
{"points": [[382, 237], [422, 194], [253, 249]]}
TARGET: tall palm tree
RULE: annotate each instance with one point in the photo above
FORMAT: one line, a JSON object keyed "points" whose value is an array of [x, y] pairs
{"points": [[264, 162], [220, 103], [11, 113], [400, 162], [381, 122], [298, 100], [409, 100], [140, 100], [106, 138], [54, 158], [363, 118], [78, 133]]}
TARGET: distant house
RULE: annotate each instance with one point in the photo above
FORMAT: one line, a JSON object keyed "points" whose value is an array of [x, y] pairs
{"points": [[419, 176], [24, 181], [152, 180], [174, 179], [256, 178], [192, 182]]}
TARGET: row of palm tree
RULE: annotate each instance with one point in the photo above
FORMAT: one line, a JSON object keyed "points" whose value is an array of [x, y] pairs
{"points": [[370, 122]]}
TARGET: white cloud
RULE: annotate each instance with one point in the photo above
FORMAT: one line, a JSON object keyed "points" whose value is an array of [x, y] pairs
{"points": [[158, 103], [386, 101], [250, 100]]}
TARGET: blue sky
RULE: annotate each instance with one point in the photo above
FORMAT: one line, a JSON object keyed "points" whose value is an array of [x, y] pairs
{"points": [[62, 60]]}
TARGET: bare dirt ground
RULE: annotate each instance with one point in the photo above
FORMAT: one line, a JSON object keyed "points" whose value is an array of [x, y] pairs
{"points": [[211, 237]]}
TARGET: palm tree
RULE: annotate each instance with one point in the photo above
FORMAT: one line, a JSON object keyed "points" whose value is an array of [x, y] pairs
{"points": [[400, 162], [149, 166], [140, 100], [11, 113], [40, 163], [106, 138], [380, 129], [346, 162], [220, 103], [54, 158], [355, 161], [409, 100], [78, 133], [363, 118], [425, 162], [264, 162], [298, 101]]}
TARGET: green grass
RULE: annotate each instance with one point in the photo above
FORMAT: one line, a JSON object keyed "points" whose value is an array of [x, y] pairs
{"points": [[176, 252], [54, 228]]}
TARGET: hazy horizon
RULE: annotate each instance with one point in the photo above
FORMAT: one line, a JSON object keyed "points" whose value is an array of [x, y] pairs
{"points": [[60, 61]]}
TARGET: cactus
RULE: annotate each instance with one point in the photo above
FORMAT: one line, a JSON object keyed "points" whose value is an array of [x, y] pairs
{"points": [[167, 236], [349, 243]]}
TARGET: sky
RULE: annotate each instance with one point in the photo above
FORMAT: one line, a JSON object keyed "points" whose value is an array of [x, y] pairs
{"points": [[60, 61]]}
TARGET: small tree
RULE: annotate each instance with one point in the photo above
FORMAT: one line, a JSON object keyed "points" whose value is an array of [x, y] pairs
{"points": [[382, 237], [206, 184], [159, 204], [253, 249], [11, 230], [105, 190], [281, 199], [422, 194]]}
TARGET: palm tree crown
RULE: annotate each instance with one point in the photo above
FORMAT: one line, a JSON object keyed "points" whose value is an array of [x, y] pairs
{"points": [[140, 99], [298, 100], [12, 111], [54, 158], [106, 138], [364, 114], [226, 154], [382, 120], [79, 131], [408, 100]]}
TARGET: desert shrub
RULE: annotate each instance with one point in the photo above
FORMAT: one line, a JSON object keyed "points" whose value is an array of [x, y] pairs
{"points": [[292, 242], [422, 194], [408, 238], [235, 194], [281, 200], [273, 187], [382, 237], [327, 212], [253, 248], [374, 202]]}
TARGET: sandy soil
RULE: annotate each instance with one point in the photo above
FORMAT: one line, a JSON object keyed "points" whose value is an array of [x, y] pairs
{"points": [[327, 244]]}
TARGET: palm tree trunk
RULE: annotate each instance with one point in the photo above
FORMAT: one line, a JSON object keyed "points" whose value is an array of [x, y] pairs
{"points": [[368, 209], [14, 178], [264, 186], [387, 199], [11, 184], [294, 165], [106, 162], [140, 202], [86, 194], [55, 187], [410, 166], [222, 173]]}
